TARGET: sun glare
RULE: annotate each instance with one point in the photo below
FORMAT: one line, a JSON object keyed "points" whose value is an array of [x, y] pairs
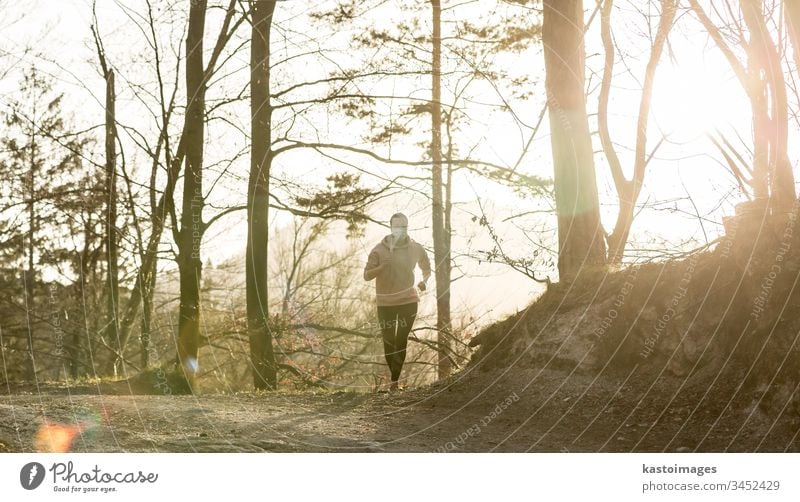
{"points": [[692, 97]]}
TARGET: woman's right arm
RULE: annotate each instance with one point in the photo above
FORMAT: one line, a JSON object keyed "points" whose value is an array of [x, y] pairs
{"points": [[373, 266]]}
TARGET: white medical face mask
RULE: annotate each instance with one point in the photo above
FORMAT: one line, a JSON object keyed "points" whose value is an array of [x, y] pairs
{"points": [[398, 232]]}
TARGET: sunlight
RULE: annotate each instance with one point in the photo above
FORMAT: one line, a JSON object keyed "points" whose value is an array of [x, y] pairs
{"points": [[693, 97]]}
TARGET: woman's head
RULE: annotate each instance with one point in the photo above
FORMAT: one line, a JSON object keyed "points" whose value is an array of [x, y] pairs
{"points": [[399, 225]]}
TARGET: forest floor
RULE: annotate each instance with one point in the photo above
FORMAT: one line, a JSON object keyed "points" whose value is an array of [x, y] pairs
{"points": [[473, 411]]}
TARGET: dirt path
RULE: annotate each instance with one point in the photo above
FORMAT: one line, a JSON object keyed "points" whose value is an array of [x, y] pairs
{"points": [[533, 411]]}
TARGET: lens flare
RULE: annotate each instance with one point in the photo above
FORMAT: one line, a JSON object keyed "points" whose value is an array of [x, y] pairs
{"points": [[56, 437], [191, 364]]}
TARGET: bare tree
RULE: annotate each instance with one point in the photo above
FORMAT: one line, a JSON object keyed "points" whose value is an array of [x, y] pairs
{"points": [[111, 332], [761, 76], [257, 253], [441, 227], [190, 233], [628, 190], [580, 234], [168, 154]]}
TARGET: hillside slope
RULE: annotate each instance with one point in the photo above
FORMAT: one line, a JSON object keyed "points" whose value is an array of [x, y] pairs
{"points": [[711, 338]]}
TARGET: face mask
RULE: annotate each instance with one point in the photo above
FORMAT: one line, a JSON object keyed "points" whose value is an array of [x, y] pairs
{"points": [[398, 232]]}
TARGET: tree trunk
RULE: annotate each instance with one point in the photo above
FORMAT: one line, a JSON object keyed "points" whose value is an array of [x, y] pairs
{"points": [[580, 234], [441, 239], [149, 284], [258, 327], [29, 276], [759, 109], [628, 191], [792, 11], [191, 229], [765, 57], [112, 293], [80, 296]]}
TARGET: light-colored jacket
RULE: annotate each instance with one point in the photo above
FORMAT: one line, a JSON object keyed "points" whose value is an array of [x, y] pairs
{"points": [[395, 285]]}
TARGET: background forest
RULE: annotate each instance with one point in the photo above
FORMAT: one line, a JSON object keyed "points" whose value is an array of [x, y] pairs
{"points": [[190, 189]]}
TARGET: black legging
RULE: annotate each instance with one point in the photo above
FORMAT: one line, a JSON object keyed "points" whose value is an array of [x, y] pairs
{"points": [[396, 322]]}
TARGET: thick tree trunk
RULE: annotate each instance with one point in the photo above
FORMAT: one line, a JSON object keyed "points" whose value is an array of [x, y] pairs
{"points": [[258, 327], [580, 235], [441, 239], [191, 230], [112, 293]]}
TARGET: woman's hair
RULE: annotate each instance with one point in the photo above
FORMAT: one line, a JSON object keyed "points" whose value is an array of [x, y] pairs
{"points": [[400, 216]]}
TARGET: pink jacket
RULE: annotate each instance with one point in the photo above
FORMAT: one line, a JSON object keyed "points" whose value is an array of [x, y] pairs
{"points": [[395, 285]]}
